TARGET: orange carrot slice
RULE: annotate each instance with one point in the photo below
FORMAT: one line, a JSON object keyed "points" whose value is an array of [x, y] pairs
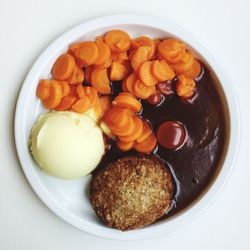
{"points": [[77, 76], [104, 53], [43, 89], [63, 67], [99, 39], [143, 91], [73, 91], [106, 65], [119, 57], [145, 74], [103, 106], [123, 100], [185, 86], [146, 146], [118, 72], [159, 71], [129, 82], [92, 94], [170, 47], [66, 103], [146, 132], [117, 40], [144, 40], [82, 105], [185, 63], [80, 91], [138, 129], [116, 118], [125, 130], [194, 71], [125, 146], [140, 56], [177, 58], [100, 81], [65, 88], [87, 53], [55, 95]]}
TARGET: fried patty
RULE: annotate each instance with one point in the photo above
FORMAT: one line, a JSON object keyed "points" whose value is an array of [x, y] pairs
{"points": [[132, 192]]}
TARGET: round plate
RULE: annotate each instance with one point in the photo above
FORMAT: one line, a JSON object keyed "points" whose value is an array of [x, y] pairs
{"points": [[69, 198]]}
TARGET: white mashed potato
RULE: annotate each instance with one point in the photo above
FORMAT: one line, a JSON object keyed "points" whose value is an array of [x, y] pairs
{"points": [[66, 144]]}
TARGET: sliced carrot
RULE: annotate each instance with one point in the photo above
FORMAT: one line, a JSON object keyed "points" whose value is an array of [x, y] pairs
{"points": [[125, 130], [87, 73], [43, 89], [73, 47], [65, 88], [146, 132], [100, 81], [99, 39], [55, 95], [87, 53], [125, 146], [143, 91], [104, 53], [156, 43], [146, 146], [119, 57], [134, 44], [117, 40], [105, 65], [137, 132], [92, 94], [77, 77], [170, 47], [185, 86], [123, 100], [158, 70], [144, 40], [140, 56], [102, 106], [116, 118], [80, 91], [145, 74], [194, 71], [168, 69], [177, 58], [117, 72], [185, 63], [129, 82], [63, 67], [66, 103], [73, 91], [82, 105]]}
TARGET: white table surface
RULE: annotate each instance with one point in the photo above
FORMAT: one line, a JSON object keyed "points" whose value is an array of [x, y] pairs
{"points": [[27, 27]]}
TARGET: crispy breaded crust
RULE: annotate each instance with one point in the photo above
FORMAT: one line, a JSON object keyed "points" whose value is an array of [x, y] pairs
{"points": [[132, 192]]}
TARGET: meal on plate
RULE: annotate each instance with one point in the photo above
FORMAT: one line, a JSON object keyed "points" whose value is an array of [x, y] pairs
{"points": [[143, 115]]}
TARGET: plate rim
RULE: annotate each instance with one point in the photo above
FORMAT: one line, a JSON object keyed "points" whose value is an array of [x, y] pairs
{"points": [[195, 209]]}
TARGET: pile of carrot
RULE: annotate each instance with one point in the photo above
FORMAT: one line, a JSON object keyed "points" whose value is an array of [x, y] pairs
{"points": [[130, 129], [142, 64]]}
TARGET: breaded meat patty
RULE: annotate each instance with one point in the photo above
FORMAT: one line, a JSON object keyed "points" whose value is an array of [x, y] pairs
{"points": [[132, 192]]}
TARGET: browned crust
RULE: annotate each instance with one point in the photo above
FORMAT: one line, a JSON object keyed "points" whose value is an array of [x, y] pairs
{"points": [[132, 192]]}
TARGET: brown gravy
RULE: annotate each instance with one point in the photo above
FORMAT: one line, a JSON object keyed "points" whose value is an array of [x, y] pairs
{"points": [[193, 165]]}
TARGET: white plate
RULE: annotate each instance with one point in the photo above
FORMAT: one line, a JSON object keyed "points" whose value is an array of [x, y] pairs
{"points": [[69, 199]]}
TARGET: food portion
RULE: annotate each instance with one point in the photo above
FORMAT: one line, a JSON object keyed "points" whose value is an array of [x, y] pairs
{"points": [[66, 145], [132, 192], [128, 110]]}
